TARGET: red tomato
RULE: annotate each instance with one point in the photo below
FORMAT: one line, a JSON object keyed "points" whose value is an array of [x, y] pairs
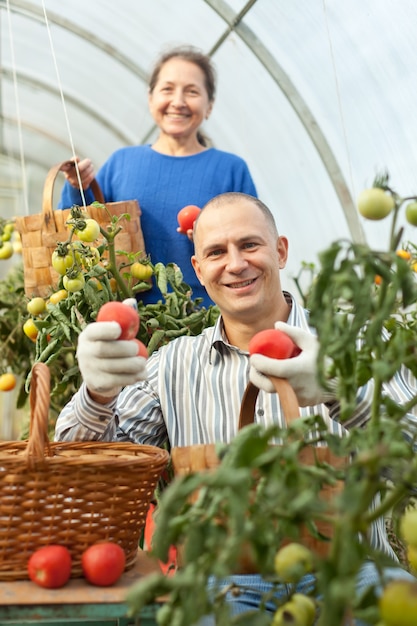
{"points": [[123, 314], [142, 349], [103, 563], [273, 343], [50, 566], [187, 216]]}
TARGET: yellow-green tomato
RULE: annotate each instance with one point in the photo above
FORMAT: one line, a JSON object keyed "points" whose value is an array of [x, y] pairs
{"points": [[308, 605], [398, 603], [62, 263], [141, 271], [90, 232], [411, 213], [6, 250], [292, 562], [292, 613], [75, 283], [36, 306], [408, 527], [57, 296], [375, 203]]}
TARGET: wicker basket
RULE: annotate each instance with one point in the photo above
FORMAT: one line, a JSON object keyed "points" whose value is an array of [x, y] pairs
{"points": [[203, 457], [41, 232], [74, 494]]}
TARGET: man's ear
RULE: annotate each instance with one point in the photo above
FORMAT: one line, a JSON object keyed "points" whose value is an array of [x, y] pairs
{"points": [[282, 249], [196, 266]]}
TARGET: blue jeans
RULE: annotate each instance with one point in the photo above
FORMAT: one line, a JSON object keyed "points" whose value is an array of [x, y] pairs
{"points": [[254, 586]]}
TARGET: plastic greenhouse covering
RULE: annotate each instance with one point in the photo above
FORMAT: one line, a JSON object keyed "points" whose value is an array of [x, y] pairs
{"points": [[316, 95]]}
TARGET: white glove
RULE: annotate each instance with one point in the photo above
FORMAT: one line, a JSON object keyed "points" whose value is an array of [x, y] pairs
{"points": [[300, 371], [106, 363]]}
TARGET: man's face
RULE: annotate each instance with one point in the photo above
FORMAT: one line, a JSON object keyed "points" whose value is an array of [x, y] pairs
{"points": [[238, 258]]}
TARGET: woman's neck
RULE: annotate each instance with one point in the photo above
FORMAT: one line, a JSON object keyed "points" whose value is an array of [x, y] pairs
{"points": [[177, 147]]}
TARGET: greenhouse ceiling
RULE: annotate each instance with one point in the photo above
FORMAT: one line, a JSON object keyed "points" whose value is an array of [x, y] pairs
{"points": [[316, 95]]}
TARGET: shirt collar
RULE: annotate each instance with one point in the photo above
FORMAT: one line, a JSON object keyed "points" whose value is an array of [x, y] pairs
{"points": [[219, 339]]}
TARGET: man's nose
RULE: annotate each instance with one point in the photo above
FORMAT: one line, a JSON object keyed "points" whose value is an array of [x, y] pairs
{"points": [[236, 261]]}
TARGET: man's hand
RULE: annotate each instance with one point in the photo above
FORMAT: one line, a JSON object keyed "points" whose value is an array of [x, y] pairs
{"points": [[300, 371], [107, 363]]}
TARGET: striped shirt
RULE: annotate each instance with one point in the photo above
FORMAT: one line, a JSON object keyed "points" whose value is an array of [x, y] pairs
{"points": [[193, 395]]}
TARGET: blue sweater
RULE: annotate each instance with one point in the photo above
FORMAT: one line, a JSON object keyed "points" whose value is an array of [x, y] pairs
{"points": [[163, 185]]}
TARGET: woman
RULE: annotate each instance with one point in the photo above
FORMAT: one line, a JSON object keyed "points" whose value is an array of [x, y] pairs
{"points": [[177, 170]]}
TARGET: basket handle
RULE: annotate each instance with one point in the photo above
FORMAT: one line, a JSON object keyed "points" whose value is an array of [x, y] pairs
{"points": [[39, 398], [48, 189], [287, 398]]}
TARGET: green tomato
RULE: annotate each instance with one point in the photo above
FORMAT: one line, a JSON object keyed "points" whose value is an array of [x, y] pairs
{"points": [[6, 250], [141, 271], [292, 562], [375, 204], [408, 527], [36, 306], [411, 213], [63, 263], [292, 613], [308, 604], [90, 232], [75, 283], [398, 603]]}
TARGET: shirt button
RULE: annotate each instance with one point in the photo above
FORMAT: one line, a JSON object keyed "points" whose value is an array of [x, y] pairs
{"points": [[261, 412]]}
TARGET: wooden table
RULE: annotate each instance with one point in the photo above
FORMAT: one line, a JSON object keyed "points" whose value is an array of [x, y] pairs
{"points": [[24, 602]]}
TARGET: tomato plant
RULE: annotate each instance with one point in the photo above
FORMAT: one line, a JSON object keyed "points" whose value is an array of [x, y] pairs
{"points": [[50, 566], [187, 216], [126, 316], [103, 563], [273, 343]]}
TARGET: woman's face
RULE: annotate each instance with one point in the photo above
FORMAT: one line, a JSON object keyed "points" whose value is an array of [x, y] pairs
{"points": [[179, 101]]}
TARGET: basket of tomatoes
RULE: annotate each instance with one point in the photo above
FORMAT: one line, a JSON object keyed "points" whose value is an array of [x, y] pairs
{"points": [[72, 494], [41, 232]]}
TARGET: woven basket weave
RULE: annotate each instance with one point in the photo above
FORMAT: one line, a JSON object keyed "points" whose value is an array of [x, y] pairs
{"points": [[74, 494], [41, 232], [203, 457]]}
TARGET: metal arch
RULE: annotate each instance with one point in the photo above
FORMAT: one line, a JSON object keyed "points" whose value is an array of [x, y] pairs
{"points": [[25, 79], [33, 12], [309, 122]]}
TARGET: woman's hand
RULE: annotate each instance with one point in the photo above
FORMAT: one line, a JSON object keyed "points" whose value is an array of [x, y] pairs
{"points": [[85, 169]]}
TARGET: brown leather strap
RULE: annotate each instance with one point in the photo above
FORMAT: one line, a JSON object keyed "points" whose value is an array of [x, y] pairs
{"points": [[48, 190], [287, 398]]}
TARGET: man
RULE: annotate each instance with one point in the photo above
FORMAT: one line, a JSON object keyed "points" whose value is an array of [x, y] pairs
{"points": [[189, 392]]}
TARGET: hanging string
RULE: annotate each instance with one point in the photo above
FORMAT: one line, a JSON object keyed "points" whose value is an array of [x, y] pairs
{"points": [[339, 99], [18, 116], [63, 104]]}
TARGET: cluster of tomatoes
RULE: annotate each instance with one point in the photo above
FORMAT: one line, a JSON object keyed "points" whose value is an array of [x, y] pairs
{"points": [[102, 565], [10, 241]]}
